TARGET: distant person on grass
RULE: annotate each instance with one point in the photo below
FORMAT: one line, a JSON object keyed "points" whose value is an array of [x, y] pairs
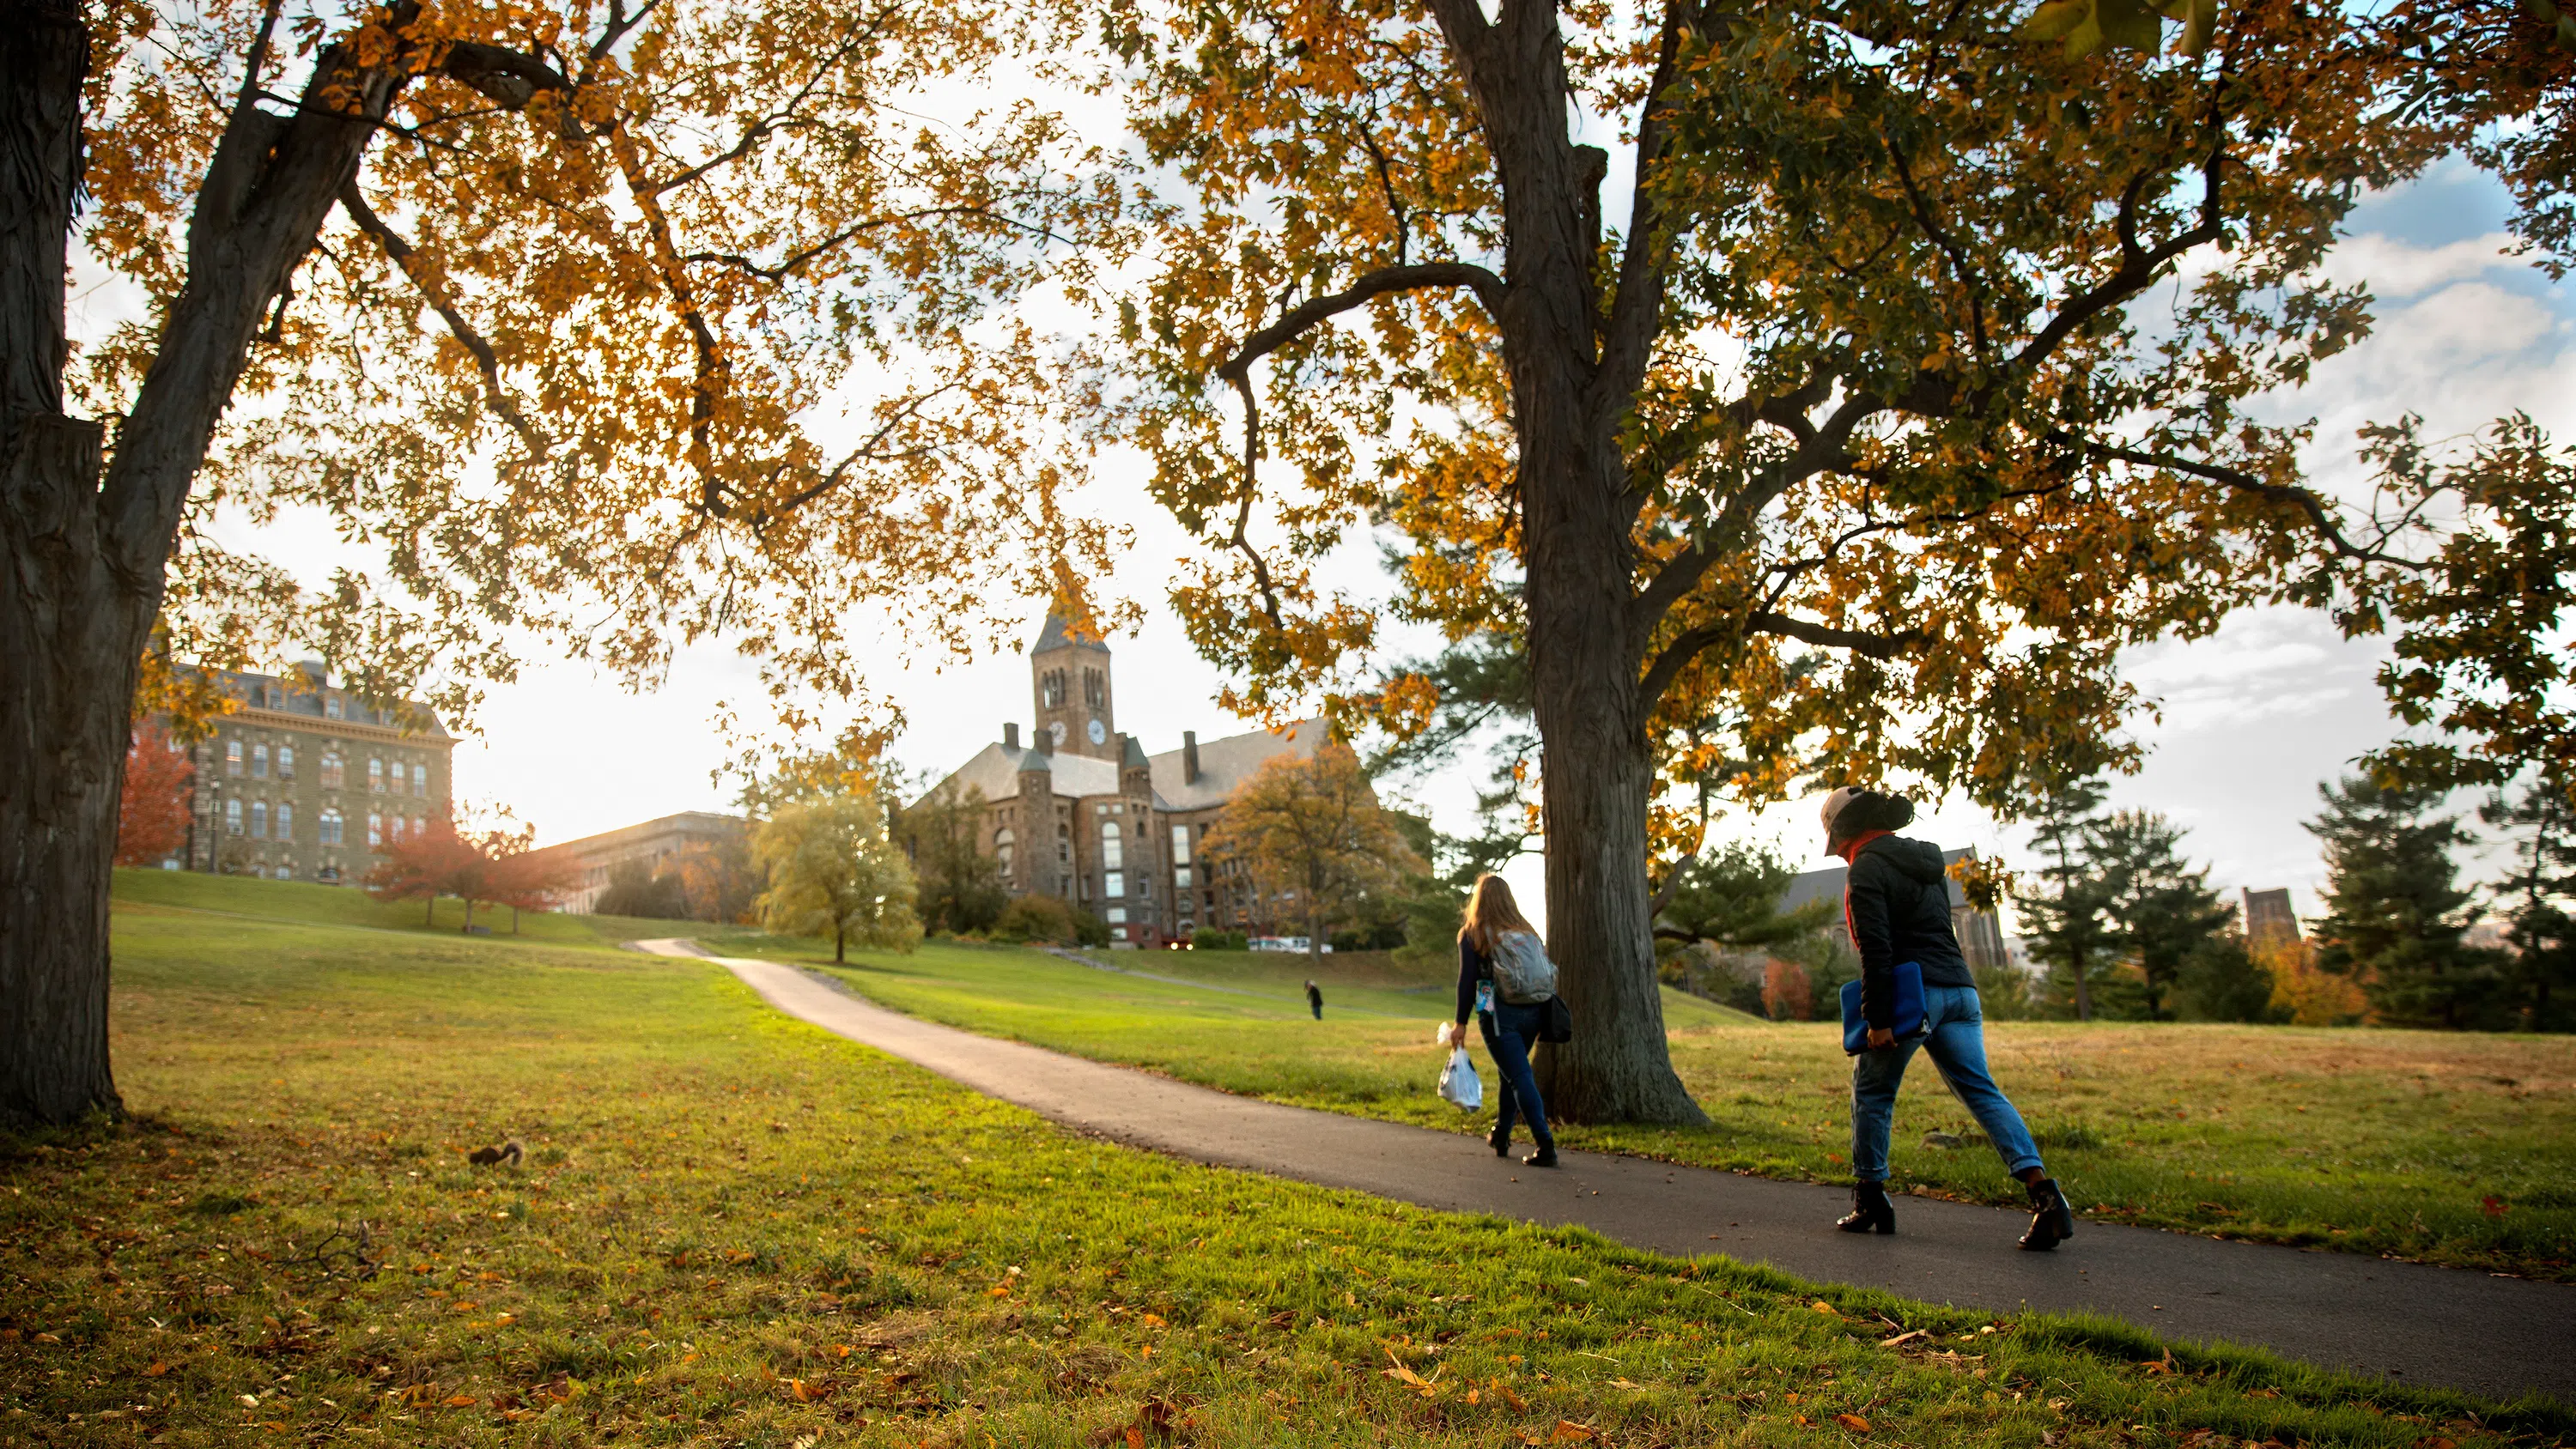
{"points": [[1315, 1000], [1495, 933], [1896, 903]]}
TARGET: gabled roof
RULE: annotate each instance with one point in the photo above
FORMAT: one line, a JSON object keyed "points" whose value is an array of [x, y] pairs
{"points": [[995, 770], [1056, 636], [1224, 765]]}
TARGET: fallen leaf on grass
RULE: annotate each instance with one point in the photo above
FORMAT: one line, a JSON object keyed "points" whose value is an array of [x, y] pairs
{"points": [[1900, 1338], [1853, 1422], [461, 1401], [1150, 1320], [2492, 1206], [1821, 1306], [156, 1371]]}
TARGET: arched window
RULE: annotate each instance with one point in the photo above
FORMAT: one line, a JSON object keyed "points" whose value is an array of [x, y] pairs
{"points": [[259, 762], [1002, 851], [420, 781], [232, 817], [375, 776], [1113, 851], [334, 773], [233, 758], [286, 762], [285, 822], [375, 831], [331, 827], [259, 820]]}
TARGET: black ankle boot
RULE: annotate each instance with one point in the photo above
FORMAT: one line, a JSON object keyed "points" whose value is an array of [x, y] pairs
{"points": [[1501, 1144], [1544, 1157], [1871, 1211], [2052, 1221]]}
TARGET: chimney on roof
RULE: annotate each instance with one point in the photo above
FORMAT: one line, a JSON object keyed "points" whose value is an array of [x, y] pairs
{"points": [[1011, 734], [1189, 757]]}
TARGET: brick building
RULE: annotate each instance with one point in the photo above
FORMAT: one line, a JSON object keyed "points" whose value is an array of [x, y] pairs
{"points": [[657, 845], [1081, 812], [306, 782]]}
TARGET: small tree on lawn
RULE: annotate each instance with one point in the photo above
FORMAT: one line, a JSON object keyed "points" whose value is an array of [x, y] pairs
{"points": [[494, 865], [152, 812], [961, 886], [2064, 907], [2535, 900], [2161, 909], [1314, 829], [834, 871]]}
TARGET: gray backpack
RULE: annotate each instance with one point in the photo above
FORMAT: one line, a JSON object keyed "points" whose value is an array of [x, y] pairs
{"points": [[1523, 975]]}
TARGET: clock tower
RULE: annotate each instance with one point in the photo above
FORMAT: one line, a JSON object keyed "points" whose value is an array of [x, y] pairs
{"points": [[1069, 679]]}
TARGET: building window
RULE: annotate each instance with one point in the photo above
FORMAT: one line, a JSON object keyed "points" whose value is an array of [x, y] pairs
{"points": [[375, 776], [1181, 845], [1113, 850], [233, 758], [1002, 851], [331, 827], [1117, 915], [286, 762], [259, 820], [1051, 689], [331, 708], [420, 781], [1113, 885], [232, 817], [419, 826], [259, 762], [1181, 878], [1064, 848], [1095, 688], [393, 830], [334, 773], [375, 830], [286, 822]]}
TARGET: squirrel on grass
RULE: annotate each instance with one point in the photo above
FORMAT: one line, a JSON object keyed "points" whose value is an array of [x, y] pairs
{"points": [[510, 1152]]}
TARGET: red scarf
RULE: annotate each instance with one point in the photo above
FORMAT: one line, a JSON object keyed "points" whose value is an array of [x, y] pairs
{"points": [[1851, 852]]}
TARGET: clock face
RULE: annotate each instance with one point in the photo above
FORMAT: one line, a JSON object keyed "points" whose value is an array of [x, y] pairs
{"points": [[1056, 731], [1099, 732]]}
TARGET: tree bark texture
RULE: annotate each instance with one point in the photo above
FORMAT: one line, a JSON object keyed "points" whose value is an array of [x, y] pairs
{"points": [[82, 549], [1569, 395]]}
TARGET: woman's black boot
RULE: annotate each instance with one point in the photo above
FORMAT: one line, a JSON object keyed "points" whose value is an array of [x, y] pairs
{"points": [[1871, 1211], [1544, 1157], [2052, 1221], [1501, 1144]]}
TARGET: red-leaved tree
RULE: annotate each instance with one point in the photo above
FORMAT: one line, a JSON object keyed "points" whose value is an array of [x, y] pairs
{"points": [[152, 812], [493, 865]]}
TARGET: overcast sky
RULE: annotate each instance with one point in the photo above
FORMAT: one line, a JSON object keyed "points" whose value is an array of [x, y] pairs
{"points": [[2251, 719]]}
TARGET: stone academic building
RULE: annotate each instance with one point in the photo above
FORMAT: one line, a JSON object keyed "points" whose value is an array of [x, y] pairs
{"points": [[305, 782], [1081, 812]]}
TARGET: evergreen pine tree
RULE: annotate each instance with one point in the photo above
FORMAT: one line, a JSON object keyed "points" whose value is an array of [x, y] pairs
{"points": [[2064, 913], [2540, 978], [2394, 909], [2160, 909]]}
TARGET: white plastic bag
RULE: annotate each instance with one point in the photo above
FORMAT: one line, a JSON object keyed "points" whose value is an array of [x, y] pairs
{"points": [[1460, 1084]]}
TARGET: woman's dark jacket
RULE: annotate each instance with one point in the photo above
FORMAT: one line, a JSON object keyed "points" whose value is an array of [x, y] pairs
{"points": [[1471, 969], [1896, 900]]}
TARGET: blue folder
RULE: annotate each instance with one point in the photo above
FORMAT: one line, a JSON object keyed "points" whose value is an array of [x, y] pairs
{"points": [[1909, 1009]]}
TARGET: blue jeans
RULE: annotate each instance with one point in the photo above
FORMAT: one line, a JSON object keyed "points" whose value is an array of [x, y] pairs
{"points": [[1510, 1032], [1956, 1038]]}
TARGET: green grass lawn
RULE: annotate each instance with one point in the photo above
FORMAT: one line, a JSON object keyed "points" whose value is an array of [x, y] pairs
{"points": [[735, 1229], [2439, 1146]]}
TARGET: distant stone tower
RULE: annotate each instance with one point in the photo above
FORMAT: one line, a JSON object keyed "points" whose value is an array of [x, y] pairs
{"points": [[1069, 678], [1033, 861]]}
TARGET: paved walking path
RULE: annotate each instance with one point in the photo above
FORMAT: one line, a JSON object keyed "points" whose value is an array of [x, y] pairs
{"points": [[2408, 1321]]}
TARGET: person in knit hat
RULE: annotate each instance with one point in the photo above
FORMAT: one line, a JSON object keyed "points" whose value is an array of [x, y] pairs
{"points": [[1896, 903]]}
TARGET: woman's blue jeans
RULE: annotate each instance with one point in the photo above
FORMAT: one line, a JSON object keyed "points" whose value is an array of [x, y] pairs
{"points": [[1956, 1039], [1510, 1032]]}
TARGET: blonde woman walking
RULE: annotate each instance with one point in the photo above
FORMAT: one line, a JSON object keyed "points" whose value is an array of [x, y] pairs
{"points": [[1505, 978]]}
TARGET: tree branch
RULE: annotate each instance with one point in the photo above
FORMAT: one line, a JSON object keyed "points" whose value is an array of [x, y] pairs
{"points": [[1637, 306], [406, 259], [2304, 500]]}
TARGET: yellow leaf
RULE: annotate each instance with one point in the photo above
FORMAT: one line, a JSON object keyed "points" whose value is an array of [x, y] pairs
{"points": [[1853, 1422]]}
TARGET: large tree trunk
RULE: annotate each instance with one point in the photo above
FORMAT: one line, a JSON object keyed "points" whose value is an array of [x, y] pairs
{"points": [[81, 556], [1576, 516]]}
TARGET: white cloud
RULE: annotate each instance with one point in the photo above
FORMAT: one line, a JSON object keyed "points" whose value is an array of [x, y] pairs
{"points": [[2395, 268]]}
